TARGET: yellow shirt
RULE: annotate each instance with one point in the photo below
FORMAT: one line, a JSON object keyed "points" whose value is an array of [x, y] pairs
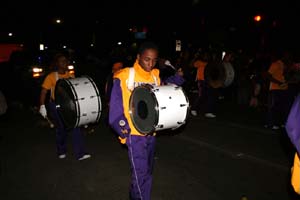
{"points": [[276, 70], [51, 79], [200, 65]]}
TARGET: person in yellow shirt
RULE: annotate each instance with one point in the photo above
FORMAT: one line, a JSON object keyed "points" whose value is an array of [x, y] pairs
{"points": [[199, 63], [61, 62], [141, 147], [278, 101]]}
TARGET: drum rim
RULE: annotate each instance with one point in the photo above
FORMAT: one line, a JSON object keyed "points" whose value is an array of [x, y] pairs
{"points": [[188, 108], [77, 110], [75, 99], [98, 96], [229, 69], [148, 87]]}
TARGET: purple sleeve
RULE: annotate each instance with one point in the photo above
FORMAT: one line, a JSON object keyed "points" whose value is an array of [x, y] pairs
{"points": [[175, 79], [293, 124], [116, 110]]}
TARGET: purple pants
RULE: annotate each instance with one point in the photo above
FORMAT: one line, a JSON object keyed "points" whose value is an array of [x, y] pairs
{"points": [[61, 135], [279, 103], [141, 157]]}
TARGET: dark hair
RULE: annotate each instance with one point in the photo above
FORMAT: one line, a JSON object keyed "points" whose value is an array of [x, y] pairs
{"points": [[147, 45]]}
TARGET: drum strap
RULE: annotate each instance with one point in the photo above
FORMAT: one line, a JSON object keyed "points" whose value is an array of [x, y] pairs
{"points": [[52, 89], [56, 76], [130, 81], [155, 80]]}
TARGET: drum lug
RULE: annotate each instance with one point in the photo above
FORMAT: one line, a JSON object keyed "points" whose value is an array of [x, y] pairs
{"points": [[160, 126]]}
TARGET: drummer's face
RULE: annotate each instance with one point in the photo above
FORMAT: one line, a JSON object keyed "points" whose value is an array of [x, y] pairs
{"points": [[148, 59], [62, 63]]}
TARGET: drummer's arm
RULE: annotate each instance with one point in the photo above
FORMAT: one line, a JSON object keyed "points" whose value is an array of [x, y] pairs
{"points": [[176, 79], [117, 119], [43, 96]]}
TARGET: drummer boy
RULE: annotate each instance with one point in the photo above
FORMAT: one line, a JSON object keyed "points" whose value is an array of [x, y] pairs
{"points": [[60, 65]]}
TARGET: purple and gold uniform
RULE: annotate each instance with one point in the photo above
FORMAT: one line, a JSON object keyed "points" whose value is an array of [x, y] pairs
{"points": [[61, 133], [140, 147]]}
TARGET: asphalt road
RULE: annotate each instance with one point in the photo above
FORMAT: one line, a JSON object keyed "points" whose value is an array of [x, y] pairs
{"points": [[230, 157]]}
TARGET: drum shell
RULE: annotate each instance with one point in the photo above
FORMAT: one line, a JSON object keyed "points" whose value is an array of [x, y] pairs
{"points": [[169, 107], [229, 74], [78, 101], [214, 74], [219, 74]]}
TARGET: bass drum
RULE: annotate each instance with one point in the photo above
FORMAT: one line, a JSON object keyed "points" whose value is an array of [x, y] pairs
{"points": [[214, 75], [78, 101], [154, 108], [229, 74]]}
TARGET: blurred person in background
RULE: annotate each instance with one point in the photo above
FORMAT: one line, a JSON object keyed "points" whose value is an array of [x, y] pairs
{"points": [[117, 65], [278, 99]]}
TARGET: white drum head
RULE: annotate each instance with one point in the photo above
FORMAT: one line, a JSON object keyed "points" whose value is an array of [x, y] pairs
{"points": [[229, 75]]}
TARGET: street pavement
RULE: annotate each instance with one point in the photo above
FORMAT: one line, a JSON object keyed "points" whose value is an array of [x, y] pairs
{"points": [[231, 157]]}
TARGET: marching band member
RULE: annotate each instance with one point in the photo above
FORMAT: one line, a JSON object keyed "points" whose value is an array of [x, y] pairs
{"points": [[140, 147], [199, 63], [278, 101], [61, 63]]}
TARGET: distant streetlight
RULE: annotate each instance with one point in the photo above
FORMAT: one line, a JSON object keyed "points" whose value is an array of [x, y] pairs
{"points": [[257, 18], [42, 47], [10, 34], [58, 21]]}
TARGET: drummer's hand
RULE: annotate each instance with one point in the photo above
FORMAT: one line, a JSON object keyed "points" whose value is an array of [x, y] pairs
{"points": [[43, 111], [180, 72]]}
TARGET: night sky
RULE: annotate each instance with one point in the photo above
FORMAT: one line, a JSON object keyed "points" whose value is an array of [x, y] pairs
{"points": [[18, 13], [186, 18]]}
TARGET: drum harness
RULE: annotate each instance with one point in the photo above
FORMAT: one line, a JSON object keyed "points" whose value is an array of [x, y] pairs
{"points": [[52, 88], [130, 80]]}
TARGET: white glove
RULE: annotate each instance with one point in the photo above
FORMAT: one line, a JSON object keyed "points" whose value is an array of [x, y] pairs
{"points": [[43, 111]]}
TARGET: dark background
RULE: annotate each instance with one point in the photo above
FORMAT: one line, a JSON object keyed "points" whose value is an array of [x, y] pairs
{"points": [[229, 23]]}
